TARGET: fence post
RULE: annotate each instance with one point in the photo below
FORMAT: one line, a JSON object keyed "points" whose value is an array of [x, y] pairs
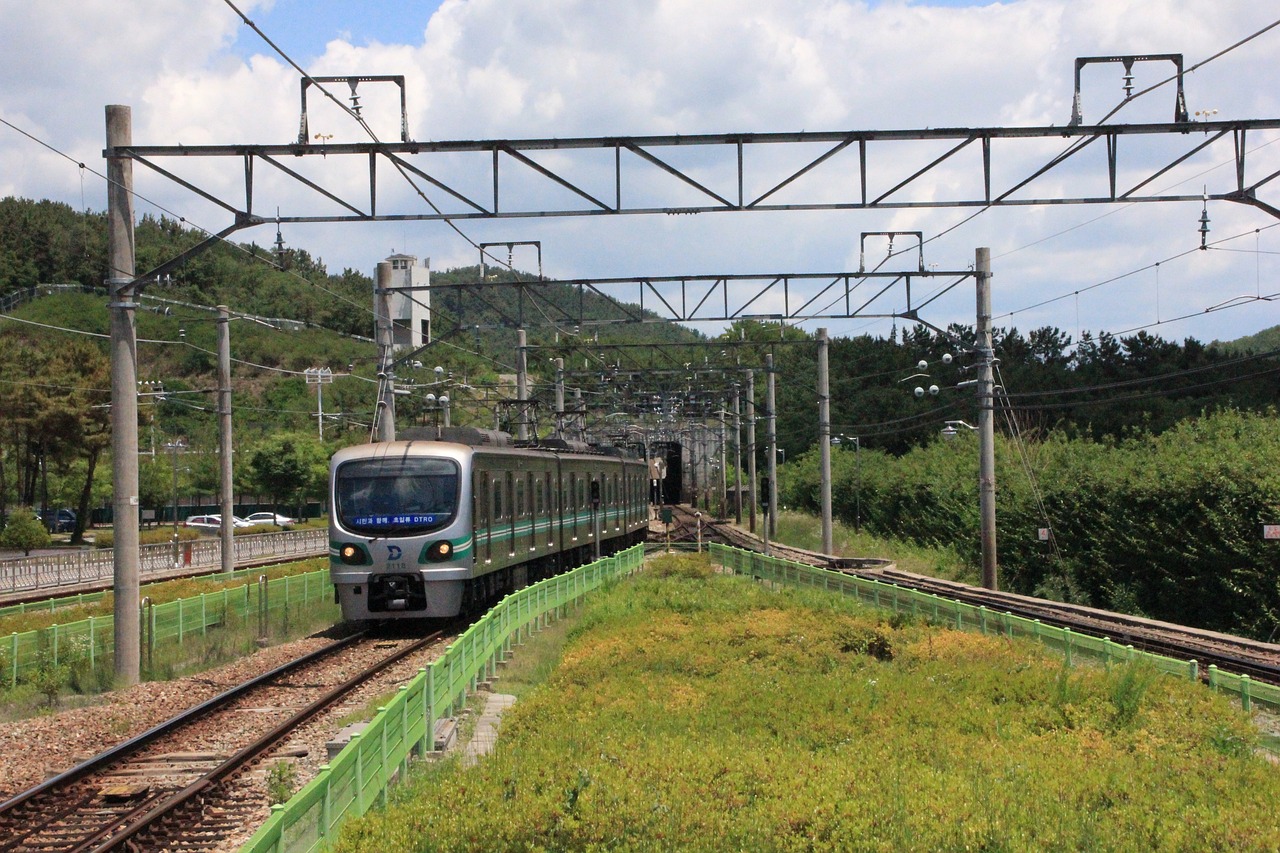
{"points": [[326, 804], [1246, 700], [359, 747], [1213, 676], [1066, 640], [13, 657], [91, 645], [383, 775], [1193, 671], [429, 699]]}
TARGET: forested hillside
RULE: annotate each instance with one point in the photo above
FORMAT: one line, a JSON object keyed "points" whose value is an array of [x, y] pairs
{"points": [[1150, 457]]}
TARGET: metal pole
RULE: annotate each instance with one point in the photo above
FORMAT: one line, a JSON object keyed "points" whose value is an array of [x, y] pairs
{"points": [[857, 493], [737, 455], [386, 418], [752, 481], [320, 405], [124, 396], [226, 485], [824, 437], [173, 463], [724, 465], [986, 422], [522, 385], [771, 437]]}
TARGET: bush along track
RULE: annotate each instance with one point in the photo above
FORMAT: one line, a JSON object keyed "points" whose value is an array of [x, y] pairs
{"points": [[696, 712]]}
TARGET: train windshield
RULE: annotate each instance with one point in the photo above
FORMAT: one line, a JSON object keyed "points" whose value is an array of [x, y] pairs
{"points": [[401, 496]]}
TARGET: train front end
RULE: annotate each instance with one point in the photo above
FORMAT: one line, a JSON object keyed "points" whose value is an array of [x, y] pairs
{"points": [[400, 541]]}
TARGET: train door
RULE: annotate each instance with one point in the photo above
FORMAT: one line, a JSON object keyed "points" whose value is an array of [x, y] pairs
{"points": [[508, 496], [482, 516]]}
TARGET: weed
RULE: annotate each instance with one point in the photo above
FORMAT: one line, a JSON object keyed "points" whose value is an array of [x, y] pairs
{"points": [[282, 780], [1128, 688]]}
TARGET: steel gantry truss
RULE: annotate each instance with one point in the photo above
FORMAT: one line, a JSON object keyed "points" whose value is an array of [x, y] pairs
{"points": [[692, 298], [731, 172]]}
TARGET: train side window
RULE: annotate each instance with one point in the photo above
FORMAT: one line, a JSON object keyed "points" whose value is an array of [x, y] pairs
{"points": [[520, 507], [497, 502]]}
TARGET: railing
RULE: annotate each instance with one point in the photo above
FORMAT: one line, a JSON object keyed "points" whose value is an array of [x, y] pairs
{"points": [[165, 627], [358, 777], [96, 566], [967, 616]]}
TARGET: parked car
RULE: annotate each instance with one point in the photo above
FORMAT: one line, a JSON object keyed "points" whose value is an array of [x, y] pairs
{"points": [[213, 522], [270, 518], [59, 520]]}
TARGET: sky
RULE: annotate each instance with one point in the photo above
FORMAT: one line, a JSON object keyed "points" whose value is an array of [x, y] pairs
{"points": [[193, 73]]}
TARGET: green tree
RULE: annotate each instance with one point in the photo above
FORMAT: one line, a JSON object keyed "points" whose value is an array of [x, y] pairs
{"points": [[24, 531], [289, 466]]}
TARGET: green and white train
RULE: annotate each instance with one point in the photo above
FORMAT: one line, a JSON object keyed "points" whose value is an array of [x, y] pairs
{"points": [[428, 529]]}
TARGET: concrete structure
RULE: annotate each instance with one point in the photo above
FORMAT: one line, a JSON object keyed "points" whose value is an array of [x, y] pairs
{"points": [[410, 302]]}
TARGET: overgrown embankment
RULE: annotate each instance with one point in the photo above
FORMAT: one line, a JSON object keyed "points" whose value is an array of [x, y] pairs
{"points": [[706, 713], [1167, 526]]}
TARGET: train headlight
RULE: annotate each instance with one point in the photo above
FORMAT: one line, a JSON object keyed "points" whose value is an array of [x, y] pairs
{"points": [[353, 555], [438, 552]]}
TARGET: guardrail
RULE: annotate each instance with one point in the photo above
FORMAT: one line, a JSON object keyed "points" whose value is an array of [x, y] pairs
{"points": [[165, 627], [358, 777], [967, 616], [96, 566]]}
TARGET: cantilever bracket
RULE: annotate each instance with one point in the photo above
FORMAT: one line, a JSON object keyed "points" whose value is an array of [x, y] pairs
{"points": [[1180, 105]]}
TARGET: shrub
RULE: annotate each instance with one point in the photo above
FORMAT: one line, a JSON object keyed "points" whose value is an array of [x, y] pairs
{"points": [[24, 531]]}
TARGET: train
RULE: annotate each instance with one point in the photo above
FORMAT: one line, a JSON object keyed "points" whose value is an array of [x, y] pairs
{"points": [[429, 528]]}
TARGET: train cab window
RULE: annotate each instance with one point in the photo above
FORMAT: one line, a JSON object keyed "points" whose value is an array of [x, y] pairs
{"points": [[403, 494]]}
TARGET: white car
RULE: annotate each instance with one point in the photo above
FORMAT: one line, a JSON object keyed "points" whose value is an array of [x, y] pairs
{"points": [[270, 518], [213, 522]]}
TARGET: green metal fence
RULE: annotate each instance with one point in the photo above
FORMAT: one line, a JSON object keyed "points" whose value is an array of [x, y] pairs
{"points": [[358, 777], [165, 627], [977, 618]]}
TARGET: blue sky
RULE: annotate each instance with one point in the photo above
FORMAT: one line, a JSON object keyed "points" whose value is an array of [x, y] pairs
{"points": [[303, 27]]}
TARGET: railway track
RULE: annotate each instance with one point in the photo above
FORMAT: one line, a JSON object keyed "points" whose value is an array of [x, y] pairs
{"points": [[172, 787], [1258, 660]]}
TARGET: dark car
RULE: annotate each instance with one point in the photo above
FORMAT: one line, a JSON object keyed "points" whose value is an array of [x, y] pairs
{"points": [[59, 520]]}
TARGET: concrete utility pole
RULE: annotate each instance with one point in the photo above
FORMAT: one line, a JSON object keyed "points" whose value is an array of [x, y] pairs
{"points": [[986, 422], [560, 399], [123, 291], [386, 385], [752, 480], [824, 437], [522, 385], [771, 436], [226, 486]]}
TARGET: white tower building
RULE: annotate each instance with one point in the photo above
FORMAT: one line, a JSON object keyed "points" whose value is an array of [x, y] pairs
{"points": [[410, 303]]}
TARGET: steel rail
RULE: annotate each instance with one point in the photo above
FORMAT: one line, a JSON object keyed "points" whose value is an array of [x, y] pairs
{"points": [[123, 831]]}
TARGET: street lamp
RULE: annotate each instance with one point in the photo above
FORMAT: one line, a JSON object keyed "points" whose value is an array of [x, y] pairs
{"points": [[175, 447], [949, 431]]}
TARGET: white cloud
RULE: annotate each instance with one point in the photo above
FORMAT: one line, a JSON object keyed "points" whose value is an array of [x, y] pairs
{"points": [[530, 68]]}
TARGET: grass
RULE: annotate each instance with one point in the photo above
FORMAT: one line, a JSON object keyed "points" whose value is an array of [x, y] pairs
{"points": [[805, 531], [697, 712]]}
